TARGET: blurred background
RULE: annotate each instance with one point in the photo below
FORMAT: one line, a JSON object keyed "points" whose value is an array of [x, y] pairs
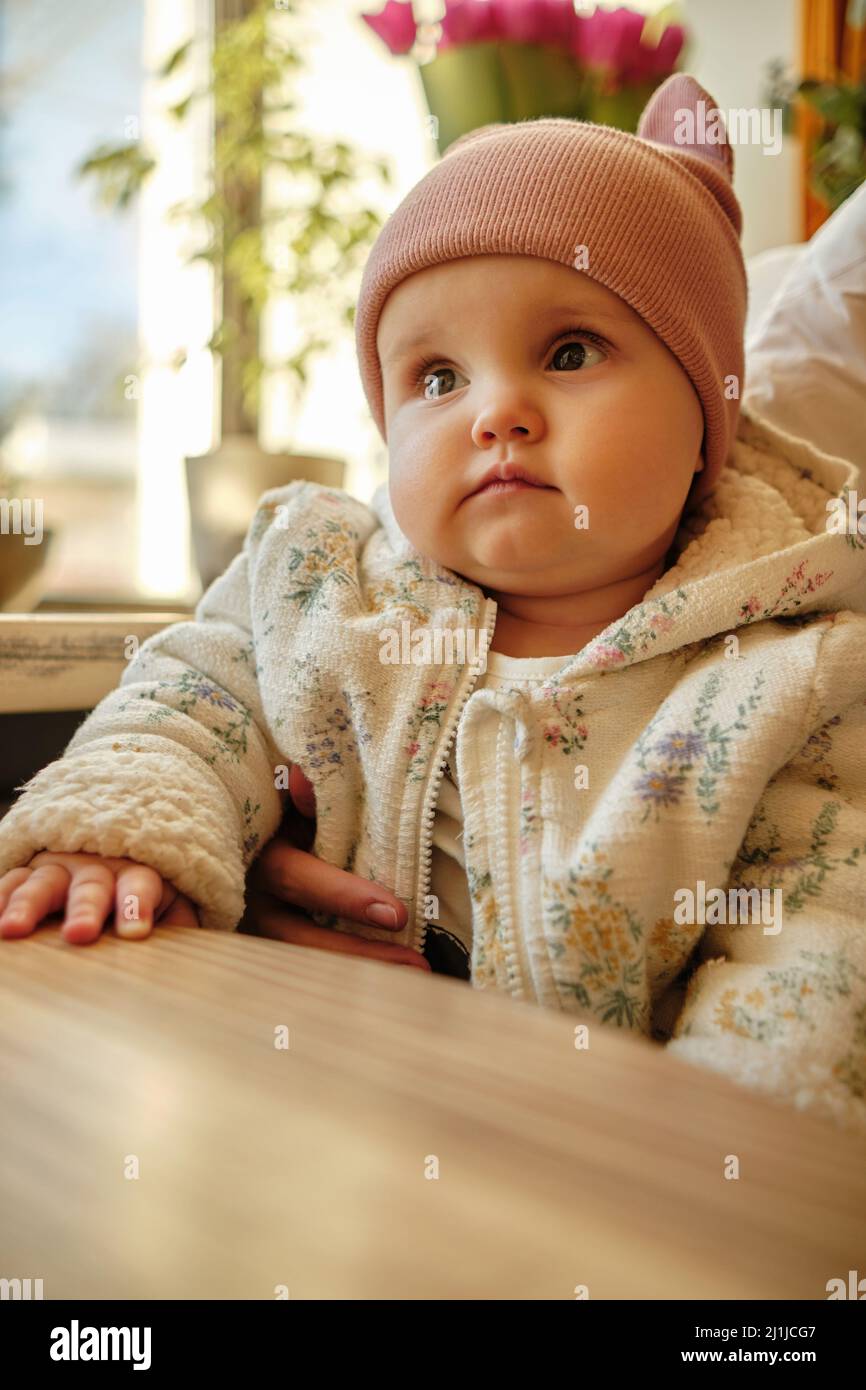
{"points": [[188, 193]]}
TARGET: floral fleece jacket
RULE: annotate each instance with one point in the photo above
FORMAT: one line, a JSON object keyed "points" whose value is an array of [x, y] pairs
{"points": [[721, 724]]}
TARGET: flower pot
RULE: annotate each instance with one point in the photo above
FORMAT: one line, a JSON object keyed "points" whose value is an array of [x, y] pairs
{"points": [[21, 581], [224, 488], [486, 83]]}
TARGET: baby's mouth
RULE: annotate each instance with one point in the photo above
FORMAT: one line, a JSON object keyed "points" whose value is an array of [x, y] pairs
{"points": [[510, 477], [503, 487]]}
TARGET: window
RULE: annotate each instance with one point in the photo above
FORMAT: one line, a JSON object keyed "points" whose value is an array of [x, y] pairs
{"points": [[94, 422]]}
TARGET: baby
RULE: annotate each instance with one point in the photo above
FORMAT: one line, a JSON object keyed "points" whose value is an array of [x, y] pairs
{"points": [[584, 685]]}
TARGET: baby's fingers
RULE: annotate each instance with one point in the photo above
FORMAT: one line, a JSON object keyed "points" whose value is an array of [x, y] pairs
{"points": [[10, 881], [140, 892], [88, 903], [43, 892]]}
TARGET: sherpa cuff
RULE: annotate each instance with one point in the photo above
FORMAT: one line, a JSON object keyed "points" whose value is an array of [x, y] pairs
{"points": [[160, 808]]}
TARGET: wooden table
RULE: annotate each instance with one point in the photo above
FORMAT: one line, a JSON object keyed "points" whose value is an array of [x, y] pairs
{"points": [[305, 1167]]}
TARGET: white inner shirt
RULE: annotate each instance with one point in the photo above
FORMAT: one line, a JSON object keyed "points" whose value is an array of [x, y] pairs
{"points": [[449, 940]]}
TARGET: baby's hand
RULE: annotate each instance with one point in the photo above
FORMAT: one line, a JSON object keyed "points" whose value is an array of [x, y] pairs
{"points": [[90, 887]]}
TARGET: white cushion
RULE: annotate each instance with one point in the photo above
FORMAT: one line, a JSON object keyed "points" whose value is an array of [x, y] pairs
{"points": [[806, 347], [766, 272]]}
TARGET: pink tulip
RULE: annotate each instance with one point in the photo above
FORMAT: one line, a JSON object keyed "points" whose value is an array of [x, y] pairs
{"points": [[534, 21], [650, 60], [665, 55], [607, 39], [467, 21], [395, 25], [606, 43]]}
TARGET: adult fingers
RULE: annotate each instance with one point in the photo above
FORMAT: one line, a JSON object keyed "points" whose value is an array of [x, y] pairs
{"points": [[304, 881], [274, 921], [181, 912], [301, 792]]}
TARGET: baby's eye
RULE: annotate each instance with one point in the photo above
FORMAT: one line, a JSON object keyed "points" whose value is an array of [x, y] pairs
{"points": [[571, 356], [433, 385]]}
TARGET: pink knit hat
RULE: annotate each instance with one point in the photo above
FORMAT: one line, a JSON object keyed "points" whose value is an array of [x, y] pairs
{"points": [[656, 212]]}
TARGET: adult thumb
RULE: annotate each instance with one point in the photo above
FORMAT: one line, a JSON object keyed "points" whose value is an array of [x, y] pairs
{"points": [[301, 792]]}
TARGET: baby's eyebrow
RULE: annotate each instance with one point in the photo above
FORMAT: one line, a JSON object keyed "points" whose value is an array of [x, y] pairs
{"points": [[428, 333], [407, 344]]}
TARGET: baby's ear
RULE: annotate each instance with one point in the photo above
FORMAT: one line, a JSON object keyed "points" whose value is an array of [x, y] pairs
{"points": [[697, 488]]}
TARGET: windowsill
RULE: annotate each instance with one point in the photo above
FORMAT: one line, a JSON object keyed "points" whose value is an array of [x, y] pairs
{"points": [[56, 661], [96, 604]]}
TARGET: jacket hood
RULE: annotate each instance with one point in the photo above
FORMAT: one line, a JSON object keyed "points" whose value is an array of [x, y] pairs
{"points": [[758, 547]]}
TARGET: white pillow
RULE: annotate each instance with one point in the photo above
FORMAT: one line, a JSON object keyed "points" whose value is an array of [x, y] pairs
{"points": [[766, 271], [806, 350]]}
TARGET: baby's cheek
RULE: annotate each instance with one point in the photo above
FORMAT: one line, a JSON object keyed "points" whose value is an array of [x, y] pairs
{"points": [[412, 501]]}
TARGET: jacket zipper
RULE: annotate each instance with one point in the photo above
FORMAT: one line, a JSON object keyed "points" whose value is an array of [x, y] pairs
{"points": [[515, 943], [428, 811]]}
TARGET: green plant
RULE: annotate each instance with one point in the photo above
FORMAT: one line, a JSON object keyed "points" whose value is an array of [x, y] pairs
{"points": [[312, 250], [779, 92], [838, 158]]}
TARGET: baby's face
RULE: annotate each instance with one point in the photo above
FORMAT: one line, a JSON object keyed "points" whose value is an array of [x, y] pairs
{"points": [[513, 358]]}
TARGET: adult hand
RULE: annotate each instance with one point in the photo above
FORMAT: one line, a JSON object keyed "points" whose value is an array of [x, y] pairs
{"points": [[286, 878]]}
